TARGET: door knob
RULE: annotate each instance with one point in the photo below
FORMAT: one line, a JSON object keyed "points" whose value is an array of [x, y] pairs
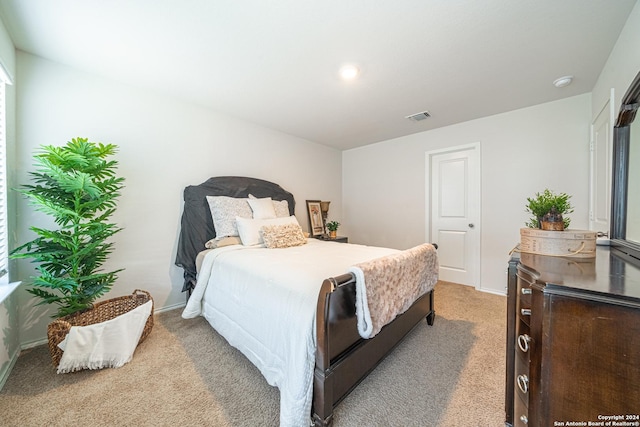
{"points": [[471, 225]]}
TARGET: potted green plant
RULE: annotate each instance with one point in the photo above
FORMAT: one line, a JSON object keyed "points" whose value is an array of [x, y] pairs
{"points": [[551, 204], [332, 226], [75, 184]]}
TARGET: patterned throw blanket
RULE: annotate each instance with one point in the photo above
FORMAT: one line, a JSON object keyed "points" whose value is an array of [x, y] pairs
{"points": [[387, 286]]}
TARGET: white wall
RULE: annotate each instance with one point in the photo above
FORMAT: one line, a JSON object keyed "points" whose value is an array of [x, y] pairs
{"points": [[165, 145], [523, 152], [622, 65], [618, 73], [9, 330]]}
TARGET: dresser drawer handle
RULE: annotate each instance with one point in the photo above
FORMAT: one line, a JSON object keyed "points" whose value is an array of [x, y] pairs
{"points": [[523, 342], [525, 311], [524, 419], [523, 383], [525, 291]]}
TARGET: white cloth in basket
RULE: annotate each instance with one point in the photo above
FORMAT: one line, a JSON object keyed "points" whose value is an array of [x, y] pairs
{"points": [[108, 344]]}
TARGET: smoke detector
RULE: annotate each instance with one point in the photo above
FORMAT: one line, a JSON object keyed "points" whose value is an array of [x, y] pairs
{"points": [[418, 116]]}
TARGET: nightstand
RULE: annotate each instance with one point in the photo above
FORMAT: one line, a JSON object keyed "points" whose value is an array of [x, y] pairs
{"points": [[339, 239]]}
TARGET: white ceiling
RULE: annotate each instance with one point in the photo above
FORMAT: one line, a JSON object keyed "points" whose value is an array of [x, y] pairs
{"points": [[276, 62]]}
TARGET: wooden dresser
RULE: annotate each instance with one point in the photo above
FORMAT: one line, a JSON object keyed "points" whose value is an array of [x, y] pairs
{"points": [[573, 341]]}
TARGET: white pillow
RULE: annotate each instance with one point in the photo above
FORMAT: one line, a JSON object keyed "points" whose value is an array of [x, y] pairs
{"points": [[280, 206], [262, 208], [224, 211], [249, 229]]}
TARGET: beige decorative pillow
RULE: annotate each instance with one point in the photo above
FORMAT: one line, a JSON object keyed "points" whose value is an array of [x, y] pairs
{"points": [[282, 236], [249, 229]]}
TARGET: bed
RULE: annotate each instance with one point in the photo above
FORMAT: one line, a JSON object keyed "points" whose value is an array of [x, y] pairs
{"points": [[311, 347]]}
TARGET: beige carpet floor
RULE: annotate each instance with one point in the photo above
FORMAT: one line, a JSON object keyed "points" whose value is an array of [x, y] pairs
{"points": [[185, 374]]}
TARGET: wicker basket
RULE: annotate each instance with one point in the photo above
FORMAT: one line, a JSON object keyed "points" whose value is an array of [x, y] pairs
{"points": [[101, 312]]}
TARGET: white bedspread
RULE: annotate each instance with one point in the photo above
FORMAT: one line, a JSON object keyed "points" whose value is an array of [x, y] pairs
{"points": [[263, 301]]}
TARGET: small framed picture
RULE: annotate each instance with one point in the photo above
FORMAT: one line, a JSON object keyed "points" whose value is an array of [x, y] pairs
{"points": [[315, 217]]}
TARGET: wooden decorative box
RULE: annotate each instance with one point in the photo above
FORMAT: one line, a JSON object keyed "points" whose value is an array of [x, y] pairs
{"points": [[567, 243]]}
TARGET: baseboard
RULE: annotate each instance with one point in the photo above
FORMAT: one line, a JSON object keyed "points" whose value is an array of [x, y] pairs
{"points": [[35, 343], [493, 292], [4, 374], [170, 307], [43, 341]]}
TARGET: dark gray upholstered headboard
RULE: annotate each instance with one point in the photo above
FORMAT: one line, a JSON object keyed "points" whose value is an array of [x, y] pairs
{"points": [[197, 224]]}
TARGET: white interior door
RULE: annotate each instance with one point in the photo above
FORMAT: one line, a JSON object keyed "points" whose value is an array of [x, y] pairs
{"points": [[453, 207], [600, 170]]}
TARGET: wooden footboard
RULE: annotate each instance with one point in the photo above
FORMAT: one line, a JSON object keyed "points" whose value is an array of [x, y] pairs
{"points": [[343, 358]]}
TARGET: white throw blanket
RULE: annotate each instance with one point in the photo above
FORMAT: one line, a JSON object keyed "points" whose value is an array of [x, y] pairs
{"points": [[386, 287], [108, 344]]}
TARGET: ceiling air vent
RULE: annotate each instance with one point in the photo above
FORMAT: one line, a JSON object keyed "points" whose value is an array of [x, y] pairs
{"points": [[418, 116]]}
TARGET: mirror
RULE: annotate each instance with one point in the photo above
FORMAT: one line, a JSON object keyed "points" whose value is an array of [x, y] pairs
{"points": [[633, 186], [625, 192]]}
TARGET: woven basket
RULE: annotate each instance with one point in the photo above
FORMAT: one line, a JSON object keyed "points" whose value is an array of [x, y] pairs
{"points": [[101, 312]]}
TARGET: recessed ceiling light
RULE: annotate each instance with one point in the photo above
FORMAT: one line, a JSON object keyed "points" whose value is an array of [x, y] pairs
{"points": [[349, 72], [563, 81]]}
